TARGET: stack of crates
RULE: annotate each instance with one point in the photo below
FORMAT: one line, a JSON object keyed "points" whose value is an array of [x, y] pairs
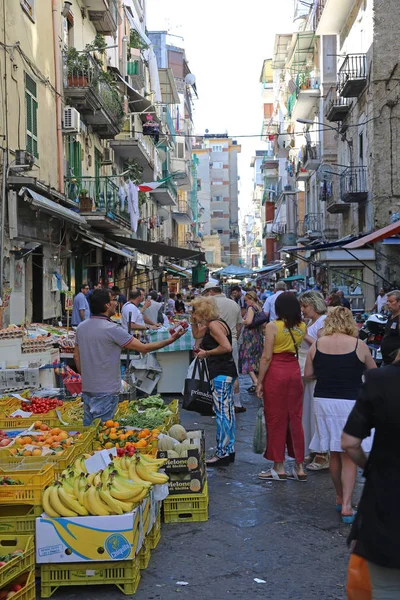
{"points": [[18, 574], [183, 508]]}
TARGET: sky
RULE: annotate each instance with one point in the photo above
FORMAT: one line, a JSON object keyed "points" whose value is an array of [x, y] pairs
{"points": [[226, 42]]}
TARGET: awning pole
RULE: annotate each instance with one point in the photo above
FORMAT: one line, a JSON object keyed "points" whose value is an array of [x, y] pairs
{"points": [[370, 268]]}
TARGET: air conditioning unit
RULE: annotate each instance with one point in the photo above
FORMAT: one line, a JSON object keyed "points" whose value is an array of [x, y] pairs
{"points": [[71, 121], [108, 156], [23, 159]]}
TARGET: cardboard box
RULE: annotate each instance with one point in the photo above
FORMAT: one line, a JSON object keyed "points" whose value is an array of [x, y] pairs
{"points": [[194, 461], [85, 539], [192, 482]]}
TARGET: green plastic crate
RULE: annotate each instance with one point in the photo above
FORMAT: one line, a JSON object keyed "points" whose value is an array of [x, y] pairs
{"points": [[125, 574], [19, 564], [181, 508]]}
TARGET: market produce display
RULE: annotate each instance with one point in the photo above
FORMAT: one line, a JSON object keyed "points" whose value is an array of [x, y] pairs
{"points": [[38, 405], [113, 491], [11, 590], [113, 435], [149, 413], [48, 441], [5, 439], [10, 481]]}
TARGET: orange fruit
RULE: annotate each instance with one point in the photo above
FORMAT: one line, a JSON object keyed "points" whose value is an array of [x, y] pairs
{"points": [[116, 424], [37, 424], [156, 432], [113, 436], [113, 430], [55, 445], [27, 453], [37, 452], [142, 435], [55, 431], [13, 451], [108, 445], [141, 444], [146, 431], [44, 427], [121, 437], [26, 440], [109, 423]]}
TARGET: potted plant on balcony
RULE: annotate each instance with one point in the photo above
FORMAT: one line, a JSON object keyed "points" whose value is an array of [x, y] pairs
{"points": [[77, 67], [85, 202]]}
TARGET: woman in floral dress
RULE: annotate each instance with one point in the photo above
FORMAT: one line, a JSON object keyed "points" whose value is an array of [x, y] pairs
{"points": [[251, 342]]}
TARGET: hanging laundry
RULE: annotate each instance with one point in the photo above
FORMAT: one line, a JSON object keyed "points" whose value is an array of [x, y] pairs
{"points": [[133, 205], [122, 193]]}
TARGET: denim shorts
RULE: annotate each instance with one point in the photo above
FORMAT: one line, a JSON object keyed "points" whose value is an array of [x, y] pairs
{"points": [[99, 407]]}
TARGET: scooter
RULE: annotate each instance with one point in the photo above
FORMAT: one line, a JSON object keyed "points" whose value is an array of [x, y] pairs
{"points": [[372, 333]]}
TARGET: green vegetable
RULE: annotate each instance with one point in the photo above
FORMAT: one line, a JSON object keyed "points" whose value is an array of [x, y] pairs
{"points": [[149, 402], [150, 418]]}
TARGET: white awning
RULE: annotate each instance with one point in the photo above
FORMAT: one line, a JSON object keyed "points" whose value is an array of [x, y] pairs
{"points": [[51, 207], [102, 244]]}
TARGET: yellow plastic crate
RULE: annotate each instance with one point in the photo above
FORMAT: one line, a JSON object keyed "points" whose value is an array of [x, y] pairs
{"points": [[125, 574], [30, 490], [155, 534], [181, 508], [144, 554], [18, 519], [19, 564], [28, 592]]}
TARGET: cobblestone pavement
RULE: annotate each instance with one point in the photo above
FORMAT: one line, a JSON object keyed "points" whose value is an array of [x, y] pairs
{"points": [[287, 534]]}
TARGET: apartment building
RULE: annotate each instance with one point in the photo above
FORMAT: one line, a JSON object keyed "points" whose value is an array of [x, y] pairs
{"points": [[256, 253], [86, 111]]}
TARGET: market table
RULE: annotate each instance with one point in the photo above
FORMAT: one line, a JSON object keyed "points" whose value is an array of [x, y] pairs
{"points": [[174, 360]]}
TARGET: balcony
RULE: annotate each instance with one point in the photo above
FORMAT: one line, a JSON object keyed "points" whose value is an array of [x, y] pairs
{"points": [[336, 107], [166, 118], [182, 213], [312, 157], [284, 187], [352, 76], [309, 229], [269, 195], [89, 89], [103, 14], [267, 232], [285, 240], [331, 15], [181, 168], [305, 97], [135, 70], [133, 144], [166, 194], [99, 203], [335, 206], [354, 184]]}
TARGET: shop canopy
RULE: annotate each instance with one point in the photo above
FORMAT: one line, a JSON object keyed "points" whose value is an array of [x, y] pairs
{"points": [[293, 278], [99, 243], [56, 210], [376, 236], [158, 249], [234, 271]]}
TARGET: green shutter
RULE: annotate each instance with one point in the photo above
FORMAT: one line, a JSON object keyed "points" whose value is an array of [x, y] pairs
{"points": [[31, 116]]}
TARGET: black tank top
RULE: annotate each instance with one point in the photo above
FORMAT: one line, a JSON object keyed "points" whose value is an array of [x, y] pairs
{"points": [[338, 375], [220, 364]]}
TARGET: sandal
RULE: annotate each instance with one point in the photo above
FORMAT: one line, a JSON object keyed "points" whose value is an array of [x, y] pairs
{"points": [[295, 475], [318, 466], [272, 475], [349, 519]]}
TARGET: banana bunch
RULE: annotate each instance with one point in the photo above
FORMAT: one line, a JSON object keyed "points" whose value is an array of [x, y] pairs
{"points": [[121, 486]]}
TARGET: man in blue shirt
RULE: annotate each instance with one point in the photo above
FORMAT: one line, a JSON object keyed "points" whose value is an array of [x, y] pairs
{"points": [[80, 308]]}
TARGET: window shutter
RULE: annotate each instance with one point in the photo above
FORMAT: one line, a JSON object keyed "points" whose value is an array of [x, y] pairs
{"points": [[31, 116]]}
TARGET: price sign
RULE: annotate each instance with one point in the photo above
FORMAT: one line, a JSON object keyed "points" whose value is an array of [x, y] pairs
{"points": [[69, 300]]}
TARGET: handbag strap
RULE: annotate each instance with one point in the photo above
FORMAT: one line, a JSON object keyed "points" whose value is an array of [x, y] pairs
{"points": [[294, 342], [196, 367]]}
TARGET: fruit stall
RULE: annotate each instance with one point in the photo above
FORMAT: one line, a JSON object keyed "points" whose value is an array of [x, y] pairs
{"points": [[118, 479]]}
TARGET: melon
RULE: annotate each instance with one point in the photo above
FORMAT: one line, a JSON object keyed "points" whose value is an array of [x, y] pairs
{"points": [[178, 433], [166, 443]]}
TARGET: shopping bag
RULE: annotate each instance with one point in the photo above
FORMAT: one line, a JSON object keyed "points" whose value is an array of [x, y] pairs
{"points": [[358, 579], [197, 395], [260, 432]]}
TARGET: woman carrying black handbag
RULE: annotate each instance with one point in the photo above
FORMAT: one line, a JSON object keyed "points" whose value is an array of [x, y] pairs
{"points": [[216, 348]]}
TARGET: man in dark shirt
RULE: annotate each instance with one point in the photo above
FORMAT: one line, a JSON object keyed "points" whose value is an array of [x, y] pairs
{"points": [[391, 340], [343, 301]]}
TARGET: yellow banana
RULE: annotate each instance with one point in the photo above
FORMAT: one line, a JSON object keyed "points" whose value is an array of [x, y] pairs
{"points": [[110, 501], [97, 479], [130, 495], [134, 475], [71, 503], [93, 504], [47, 506], [67, 485], [90, 478], [149, 460], [157, 478], [125, 484], [59, 506]]}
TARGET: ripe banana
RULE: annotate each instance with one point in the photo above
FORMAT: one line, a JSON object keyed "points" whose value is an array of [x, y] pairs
{"points": [[144, 473], [57, 505], [90, 478], [111, 502], [71, 502], [93, 504], [134, 475], [129, 495], [149, 460], [47, 506]]}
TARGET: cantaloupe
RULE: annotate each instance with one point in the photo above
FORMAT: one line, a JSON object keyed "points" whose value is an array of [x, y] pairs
{"points": [[194, 435], [166, 443], [178, 433], [172, 454]]}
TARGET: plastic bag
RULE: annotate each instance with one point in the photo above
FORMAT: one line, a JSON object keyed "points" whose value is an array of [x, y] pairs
{"points": [[358, 579], [260, 432]]}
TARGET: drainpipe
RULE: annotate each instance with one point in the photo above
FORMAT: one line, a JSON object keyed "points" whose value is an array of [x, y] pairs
{"points": [[57, 71]]}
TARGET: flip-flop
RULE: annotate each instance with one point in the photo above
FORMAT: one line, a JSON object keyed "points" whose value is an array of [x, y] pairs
{"points": [[338, 507], [294, 475], [349, 519], [272, 475]]}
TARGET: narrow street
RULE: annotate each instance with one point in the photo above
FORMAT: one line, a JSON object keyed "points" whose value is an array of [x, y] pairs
{"points": [[287, 534]]}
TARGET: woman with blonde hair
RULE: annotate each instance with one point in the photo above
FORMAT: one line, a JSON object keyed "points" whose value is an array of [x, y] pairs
{"points": [[337, 361], [216, 349], [251, 340]]}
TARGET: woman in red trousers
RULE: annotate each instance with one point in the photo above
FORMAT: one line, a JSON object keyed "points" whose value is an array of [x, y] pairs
{"points": [[280, 383]]}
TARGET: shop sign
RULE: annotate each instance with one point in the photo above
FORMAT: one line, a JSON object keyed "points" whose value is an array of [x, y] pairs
{"points": [[69, 300]]}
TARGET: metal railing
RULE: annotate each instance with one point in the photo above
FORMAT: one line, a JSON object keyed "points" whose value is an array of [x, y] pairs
{"points": [[167, 120], [354, 182], [84, 72], [311, 152], [183, 206], [98, 195], [313, 223], [334, 101], [354, 67], [283, 186]]}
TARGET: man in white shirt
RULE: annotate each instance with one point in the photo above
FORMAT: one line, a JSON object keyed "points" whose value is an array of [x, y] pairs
{"points": [[131, 309], [230, 312], [152, 311], [269, 304], [380, 302]]}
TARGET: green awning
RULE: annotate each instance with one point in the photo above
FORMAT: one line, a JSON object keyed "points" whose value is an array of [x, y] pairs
{"points": [[175, 272], [293, 278]]}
